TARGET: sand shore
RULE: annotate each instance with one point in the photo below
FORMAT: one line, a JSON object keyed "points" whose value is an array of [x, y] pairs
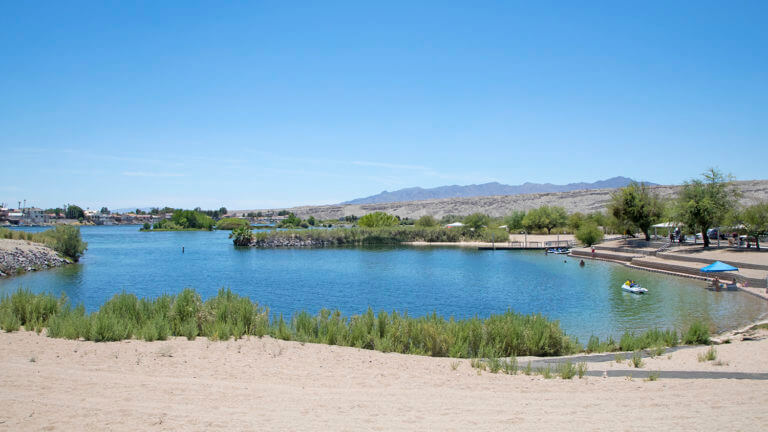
{"points": [[56, 384]]}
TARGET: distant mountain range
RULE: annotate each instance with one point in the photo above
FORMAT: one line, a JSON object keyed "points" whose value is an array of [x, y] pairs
{"points": [[486, 189]]}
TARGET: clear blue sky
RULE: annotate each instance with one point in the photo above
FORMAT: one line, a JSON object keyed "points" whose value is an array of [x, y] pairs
{"points": [[271, 104]]}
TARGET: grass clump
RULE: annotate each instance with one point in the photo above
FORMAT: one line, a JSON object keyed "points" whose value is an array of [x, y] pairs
{"points": [[494, 365], [637, 359], [708, 355], [594, 345], [581, 369], [510, 366], [545, 371], [697, 334], [566, 370], [654, 337], [653, 376], [528, 369]]}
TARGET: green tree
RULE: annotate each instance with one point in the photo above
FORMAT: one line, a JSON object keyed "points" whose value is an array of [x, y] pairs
{"points": [[705, 203], [222, 211], [104, 210], [514, 221], [636, 205], [449, 219], [588, 233], [311, 220], [532, 220], [426, 221], [477, 221], [292, 221], [186, 219], [75, 212], [545, 217], [575, 220], [283, 213], [67, 240], [755, 220], [378, 220], [241, 236]]}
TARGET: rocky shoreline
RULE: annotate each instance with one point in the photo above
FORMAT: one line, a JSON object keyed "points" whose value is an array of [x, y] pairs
{"points": [[288, 242], [19, 256]]}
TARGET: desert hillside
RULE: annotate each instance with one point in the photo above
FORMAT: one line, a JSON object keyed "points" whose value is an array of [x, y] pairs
{"points": [[574, 201]]}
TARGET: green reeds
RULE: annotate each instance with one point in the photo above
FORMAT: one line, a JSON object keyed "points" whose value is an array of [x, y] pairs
{"points": [[228, 315]]}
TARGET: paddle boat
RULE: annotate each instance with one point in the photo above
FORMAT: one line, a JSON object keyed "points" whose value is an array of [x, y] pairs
{"points": [[633, 287]]}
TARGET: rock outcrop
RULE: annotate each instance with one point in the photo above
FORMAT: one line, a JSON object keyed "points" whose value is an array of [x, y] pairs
{"points": [[18, 256]]}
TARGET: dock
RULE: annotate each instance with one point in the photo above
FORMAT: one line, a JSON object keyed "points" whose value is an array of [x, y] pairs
{"points": [[528, 245]]}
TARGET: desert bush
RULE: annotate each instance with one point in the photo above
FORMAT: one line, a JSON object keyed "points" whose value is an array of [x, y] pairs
{"points": [[232, 223], [697, 334]]}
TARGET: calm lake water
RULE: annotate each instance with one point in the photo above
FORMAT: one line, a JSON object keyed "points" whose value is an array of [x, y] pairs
{"points": [[451, 281]]}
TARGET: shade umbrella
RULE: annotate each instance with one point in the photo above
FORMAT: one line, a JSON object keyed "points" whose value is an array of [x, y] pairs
{"points": [[718, 266]]}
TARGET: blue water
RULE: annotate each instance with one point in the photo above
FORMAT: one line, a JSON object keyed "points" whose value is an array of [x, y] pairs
{"points": [[451, 281]]}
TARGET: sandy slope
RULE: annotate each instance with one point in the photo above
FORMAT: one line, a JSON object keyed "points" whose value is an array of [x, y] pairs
{"points": [[53, 384]]}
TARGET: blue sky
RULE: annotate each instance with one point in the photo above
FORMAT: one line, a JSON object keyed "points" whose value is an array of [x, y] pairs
{"points": [[271, 104]]}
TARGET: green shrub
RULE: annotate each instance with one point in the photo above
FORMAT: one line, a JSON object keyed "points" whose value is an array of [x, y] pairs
{"points": [[9, 321], [69, 324], [108, 327], [426, 222], [589, 233], [566, 370], [637, 359], [232, 223], [378, 220], [581, 369], [697, 334], [510, 366]]}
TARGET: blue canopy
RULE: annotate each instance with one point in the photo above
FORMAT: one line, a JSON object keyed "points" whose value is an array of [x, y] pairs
{"points": [[718, 266]]}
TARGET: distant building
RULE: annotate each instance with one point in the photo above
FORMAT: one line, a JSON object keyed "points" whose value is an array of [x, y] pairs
{"points": [[34, 215]]}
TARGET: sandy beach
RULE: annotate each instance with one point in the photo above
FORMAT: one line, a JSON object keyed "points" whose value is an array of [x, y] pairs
{"points": [[248, 384]]}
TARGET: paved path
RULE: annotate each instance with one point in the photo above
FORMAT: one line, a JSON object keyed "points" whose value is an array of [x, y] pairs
{"points": [[643, 374]]}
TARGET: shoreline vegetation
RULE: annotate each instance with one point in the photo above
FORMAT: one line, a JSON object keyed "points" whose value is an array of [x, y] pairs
{"points": [[64, 239], [364, 236], [229, 315]]}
